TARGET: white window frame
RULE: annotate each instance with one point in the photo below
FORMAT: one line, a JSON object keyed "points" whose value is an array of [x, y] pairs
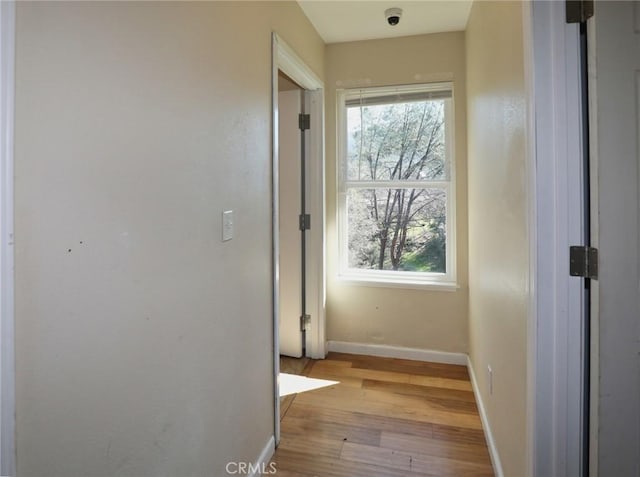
{"points": [[389, 278]]}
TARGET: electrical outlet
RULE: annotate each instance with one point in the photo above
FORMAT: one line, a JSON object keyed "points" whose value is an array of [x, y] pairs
{"points": [[490, 379], [227, 225]]}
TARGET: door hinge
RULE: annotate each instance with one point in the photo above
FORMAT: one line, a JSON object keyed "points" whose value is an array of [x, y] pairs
{"points": [[305, 222], [583, 262], [304, 321], [304, 122], [578, 11]]}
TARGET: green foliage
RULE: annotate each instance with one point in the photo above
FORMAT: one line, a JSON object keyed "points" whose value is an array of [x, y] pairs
{"points": [[431, 257]]}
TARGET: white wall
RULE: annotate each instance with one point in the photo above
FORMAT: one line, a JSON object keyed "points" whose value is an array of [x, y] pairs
{"points": [[498, 232], [144, 344]]}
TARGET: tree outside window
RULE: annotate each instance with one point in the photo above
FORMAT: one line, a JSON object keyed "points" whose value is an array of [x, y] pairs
{"points": [[396, 183]]}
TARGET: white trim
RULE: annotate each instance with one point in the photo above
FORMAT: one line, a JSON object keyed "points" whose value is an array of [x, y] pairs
{"points": [[491, 443], [316, 254], [530, 152], [393, 282], [287, 61], [452, 208], [292, 65], [558, 194], [275, 237], [7, 345], [262, 462], [397, 184], [386, 351]]}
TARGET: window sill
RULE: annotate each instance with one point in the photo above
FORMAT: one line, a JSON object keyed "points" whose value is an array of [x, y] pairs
{"points": [[430, 285]]}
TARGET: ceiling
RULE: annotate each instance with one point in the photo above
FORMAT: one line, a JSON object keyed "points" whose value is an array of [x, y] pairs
{"points": [[339, 21]]}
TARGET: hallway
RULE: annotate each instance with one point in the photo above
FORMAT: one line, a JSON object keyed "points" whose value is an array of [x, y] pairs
{"points": [[387, 417]]}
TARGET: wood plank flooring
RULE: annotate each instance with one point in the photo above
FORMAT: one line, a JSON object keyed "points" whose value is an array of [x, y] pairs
{"points": [[293, 365], [387, 418]]}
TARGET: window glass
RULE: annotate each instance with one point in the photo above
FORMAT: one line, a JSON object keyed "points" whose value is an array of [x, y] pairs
{"points": [[396, 141], [396, 187], [397, 229]]}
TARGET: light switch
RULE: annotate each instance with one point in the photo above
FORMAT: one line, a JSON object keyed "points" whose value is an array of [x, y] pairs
{"points": [[227, 225]]}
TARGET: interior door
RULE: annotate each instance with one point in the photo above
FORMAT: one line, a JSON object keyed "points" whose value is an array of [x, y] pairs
{"points": [[614, 88], [291, 249]]}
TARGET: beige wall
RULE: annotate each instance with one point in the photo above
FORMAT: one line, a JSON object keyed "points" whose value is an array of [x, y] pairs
{"points": [[404, 317], [498, 236], [144, 344]]}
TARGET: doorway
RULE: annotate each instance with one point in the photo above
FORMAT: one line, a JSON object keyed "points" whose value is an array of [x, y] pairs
{"points": [[292, 233], [298, 212]]}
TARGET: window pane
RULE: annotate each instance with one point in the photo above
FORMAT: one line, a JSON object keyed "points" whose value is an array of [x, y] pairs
{"points": [[397, 229], [404, 141]]}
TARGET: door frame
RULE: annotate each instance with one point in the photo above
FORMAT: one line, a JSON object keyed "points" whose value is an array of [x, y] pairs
{"points": [[286, 60], [7, 334], [555, 169]]}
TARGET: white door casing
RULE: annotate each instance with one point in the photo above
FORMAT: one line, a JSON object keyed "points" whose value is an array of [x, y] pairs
{"points": [[286, 60], [316, 342], [556, 220]]}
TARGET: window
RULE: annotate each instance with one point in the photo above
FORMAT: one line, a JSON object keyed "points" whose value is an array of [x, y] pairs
{"points": [[396, 185]]}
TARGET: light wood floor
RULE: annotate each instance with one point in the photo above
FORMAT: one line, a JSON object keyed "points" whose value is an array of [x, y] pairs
{"points": [[387, 417], [293, 365]]}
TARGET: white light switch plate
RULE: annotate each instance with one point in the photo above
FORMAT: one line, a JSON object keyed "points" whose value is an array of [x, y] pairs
{"points": [[227, 225]]}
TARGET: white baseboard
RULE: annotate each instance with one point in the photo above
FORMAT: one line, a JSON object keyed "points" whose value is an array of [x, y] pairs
{"points": [[262, 463], [387, 351], [491, 443]]}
